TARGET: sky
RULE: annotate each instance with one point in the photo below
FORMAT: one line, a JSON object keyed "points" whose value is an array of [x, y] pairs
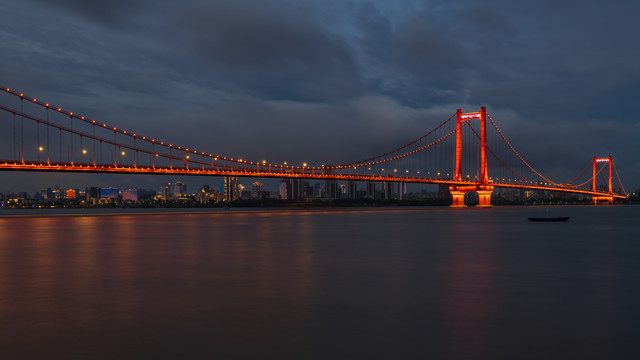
{"points": [[334, 80]]}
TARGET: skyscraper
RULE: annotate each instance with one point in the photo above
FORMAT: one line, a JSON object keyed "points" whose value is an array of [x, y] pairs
{"points": [[258, 189], [230, 188], [178, 189]]}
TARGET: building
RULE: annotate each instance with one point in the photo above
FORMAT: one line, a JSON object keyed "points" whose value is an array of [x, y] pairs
{"points": [[46, 194], [178, 189], [230, 188], [352, 189], [70, 194], [388, 190], [165, 191], [283, 190], [109, 193], [402, 190], [306, 190], [257, 189], [371, 190], [56, 194], [331, 189], [206, 194], [292, 189], [92, 193], [342, 191], [130, 195]]}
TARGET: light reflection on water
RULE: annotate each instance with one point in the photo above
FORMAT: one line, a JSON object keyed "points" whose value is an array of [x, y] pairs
{"points": [[432, 283]]}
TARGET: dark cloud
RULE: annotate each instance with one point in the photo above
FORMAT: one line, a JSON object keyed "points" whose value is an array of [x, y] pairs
{"points": [[269, 50], [111, 13]]}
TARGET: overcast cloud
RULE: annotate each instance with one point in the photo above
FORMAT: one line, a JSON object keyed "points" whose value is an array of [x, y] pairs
{"points": [[336, 80]]}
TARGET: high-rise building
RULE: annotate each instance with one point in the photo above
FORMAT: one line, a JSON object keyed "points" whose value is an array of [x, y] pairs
{"points": [[306, 191], [165, 191], [178, 189], [331, 189], [371, 190], [388, 190], [257, 189], [402, 190], [93, 193], [283, 190], [343, 191], [230, 188], [46, 194], [292, 189], [56, 193], [352, 189]]}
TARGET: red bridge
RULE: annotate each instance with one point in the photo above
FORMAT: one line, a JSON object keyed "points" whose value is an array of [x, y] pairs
{"points": [[465, 154]]}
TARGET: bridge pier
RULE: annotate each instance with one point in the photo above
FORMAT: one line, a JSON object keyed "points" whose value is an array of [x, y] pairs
{"points": [[608, 199], [484, 195], [458, 197]]}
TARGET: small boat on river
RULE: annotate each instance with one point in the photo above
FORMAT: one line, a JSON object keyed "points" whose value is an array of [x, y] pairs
{"points": [[559, 218]]}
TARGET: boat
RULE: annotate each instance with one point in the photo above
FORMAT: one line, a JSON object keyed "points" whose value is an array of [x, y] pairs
{"points": [[559, 218]]}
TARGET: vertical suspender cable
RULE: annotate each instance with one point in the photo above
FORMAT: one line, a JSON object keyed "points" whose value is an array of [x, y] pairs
{"points": [[48, 126]]}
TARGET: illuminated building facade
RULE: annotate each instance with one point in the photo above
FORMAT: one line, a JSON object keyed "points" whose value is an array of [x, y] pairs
{"points": [[230, 188], [70, 194], [130, 195]]}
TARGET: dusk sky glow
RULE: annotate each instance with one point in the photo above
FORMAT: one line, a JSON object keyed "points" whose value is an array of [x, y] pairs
{"points": [[332, 81]]}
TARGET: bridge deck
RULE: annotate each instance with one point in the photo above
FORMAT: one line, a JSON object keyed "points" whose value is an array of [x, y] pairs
{"points": [[304, 174]]}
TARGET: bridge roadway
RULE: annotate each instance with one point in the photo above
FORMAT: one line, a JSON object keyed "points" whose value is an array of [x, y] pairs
{"points": [[309, 173]]}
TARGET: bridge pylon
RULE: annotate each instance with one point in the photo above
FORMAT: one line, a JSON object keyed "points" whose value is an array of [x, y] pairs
{"points": [[484, 188], [608, 198]]}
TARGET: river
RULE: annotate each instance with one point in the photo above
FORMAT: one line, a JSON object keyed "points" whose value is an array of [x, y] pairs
{"points": [[390, 283]]}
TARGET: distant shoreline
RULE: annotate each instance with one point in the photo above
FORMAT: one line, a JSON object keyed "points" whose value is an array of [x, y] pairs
{"points": [[91, 212]]}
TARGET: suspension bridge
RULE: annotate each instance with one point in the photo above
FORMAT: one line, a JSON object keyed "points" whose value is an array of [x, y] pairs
{"points": [[467, 152]]}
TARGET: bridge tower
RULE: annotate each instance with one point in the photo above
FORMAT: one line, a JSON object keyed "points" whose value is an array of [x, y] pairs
{"points": [[484, 188], [609, 162]]}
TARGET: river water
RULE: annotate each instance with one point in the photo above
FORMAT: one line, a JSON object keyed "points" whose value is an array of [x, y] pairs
{"points": [[434, 283]]}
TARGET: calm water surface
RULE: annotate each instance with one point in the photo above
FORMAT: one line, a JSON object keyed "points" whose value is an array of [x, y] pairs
{"points": [[433, 283]]}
